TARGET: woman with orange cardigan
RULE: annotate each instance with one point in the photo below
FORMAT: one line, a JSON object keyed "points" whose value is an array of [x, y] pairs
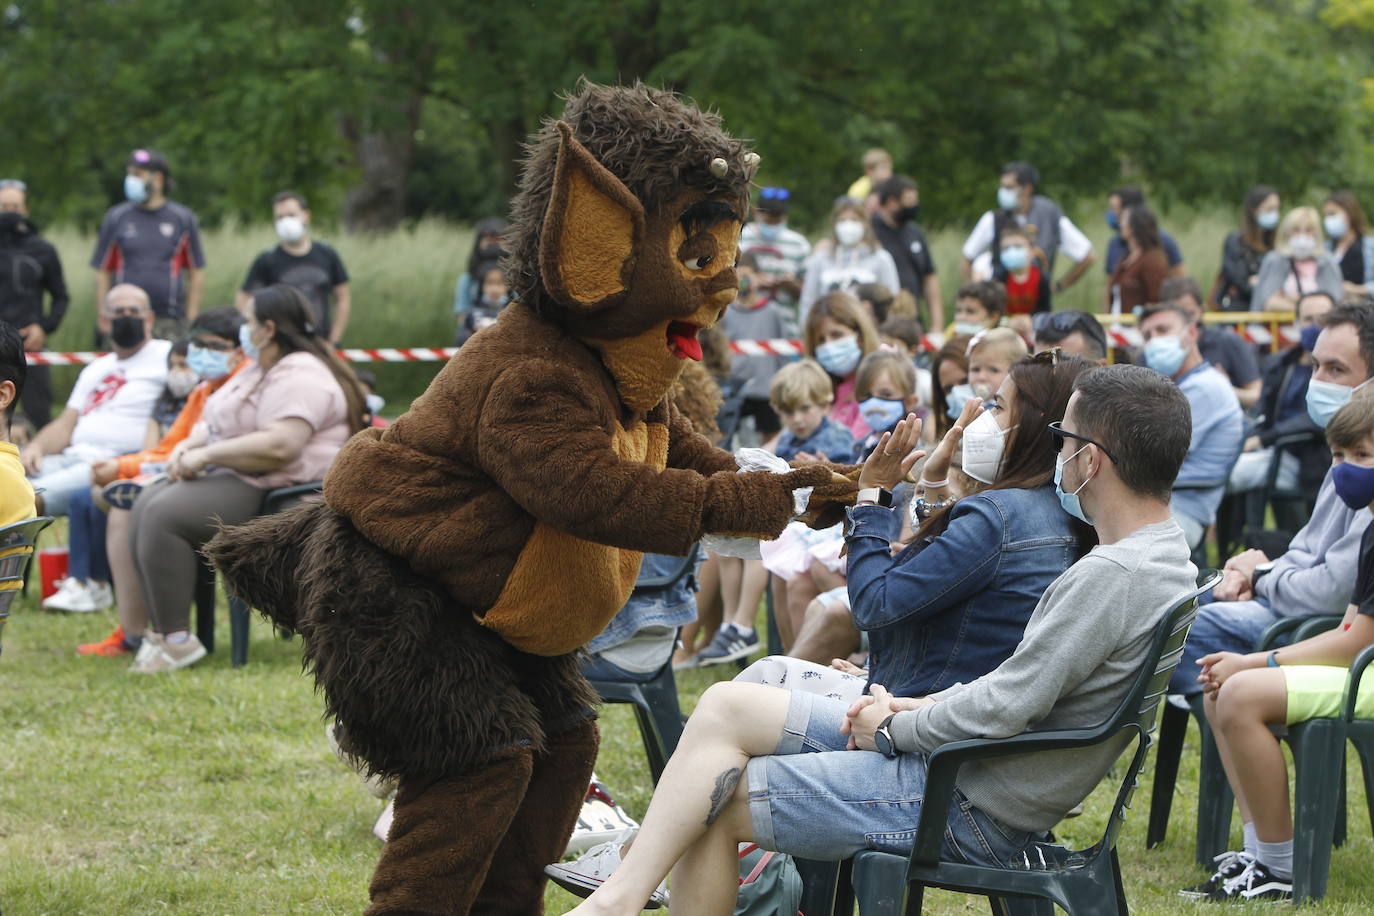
{"points": [[215, 355]]}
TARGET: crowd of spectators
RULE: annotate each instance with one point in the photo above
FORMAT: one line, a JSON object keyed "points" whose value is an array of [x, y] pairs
{"points": [[1010, 483]]}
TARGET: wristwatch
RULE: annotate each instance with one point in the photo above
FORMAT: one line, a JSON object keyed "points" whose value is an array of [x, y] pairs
{"points": [[876, 495], [882, 738], [1260, 572]]}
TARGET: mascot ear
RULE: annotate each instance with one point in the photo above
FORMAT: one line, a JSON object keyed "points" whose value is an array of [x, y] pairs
{"points": [[592, 230]]}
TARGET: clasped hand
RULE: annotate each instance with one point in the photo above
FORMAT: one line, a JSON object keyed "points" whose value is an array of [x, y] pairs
{"points": [[894, 456], [868, 712]]}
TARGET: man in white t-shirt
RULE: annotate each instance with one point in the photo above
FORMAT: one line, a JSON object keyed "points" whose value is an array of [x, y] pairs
{"points": [[1054, 232], [108, 411]]}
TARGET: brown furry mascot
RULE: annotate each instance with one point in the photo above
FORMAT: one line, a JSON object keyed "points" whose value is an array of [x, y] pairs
{"points": [[463, 555]]}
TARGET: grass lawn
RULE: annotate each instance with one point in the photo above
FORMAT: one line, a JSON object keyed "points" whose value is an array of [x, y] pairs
{"points": [[212, 790]]}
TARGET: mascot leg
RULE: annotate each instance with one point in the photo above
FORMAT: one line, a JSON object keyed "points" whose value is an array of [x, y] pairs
{"points": [[444, 835], [538, 835]]}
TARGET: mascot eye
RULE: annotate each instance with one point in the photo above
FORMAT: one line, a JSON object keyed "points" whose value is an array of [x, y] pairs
{"points": [[698, 263]]}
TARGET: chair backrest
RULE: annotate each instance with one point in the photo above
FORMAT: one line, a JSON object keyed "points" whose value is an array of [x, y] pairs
{"points": [[650, 584], [16, 550], [1139, 709]]}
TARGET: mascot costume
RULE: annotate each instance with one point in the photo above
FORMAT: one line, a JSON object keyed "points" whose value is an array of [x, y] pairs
{"points": [[462, 556]]}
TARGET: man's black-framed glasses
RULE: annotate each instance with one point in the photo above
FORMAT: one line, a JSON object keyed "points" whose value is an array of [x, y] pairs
{"points": [[1059, 433]]}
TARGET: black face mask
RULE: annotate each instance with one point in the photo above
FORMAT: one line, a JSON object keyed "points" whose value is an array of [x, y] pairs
{"points": [[9, 222], [908, 214], [127, 331], [490, 252]]}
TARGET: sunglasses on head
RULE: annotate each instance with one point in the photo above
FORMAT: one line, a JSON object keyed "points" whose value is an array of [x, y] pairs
{"points": [[775, 194], [1059, 433], [13, 183]]}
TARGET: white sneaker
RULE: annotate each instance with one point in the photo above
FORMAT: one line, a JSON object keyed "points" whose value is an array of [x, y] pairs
{"points": [[600, 820], [73, 596], [101, 594], [586, 874], [167, 656], [383, 825]]}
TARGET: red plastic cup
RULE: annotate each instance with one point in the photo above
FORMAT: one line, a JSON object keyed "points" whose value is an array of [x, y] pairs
{"points": [[52, 566]]}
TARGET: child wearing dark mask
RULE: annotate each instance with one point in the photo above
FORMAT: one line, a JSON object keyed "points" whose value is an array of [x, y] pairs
{"points": [[494, 294]]}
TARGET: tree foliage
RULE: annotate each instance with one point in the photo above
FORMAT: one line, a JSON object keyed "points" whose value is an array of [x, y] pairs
{"points": [[387, 110]]}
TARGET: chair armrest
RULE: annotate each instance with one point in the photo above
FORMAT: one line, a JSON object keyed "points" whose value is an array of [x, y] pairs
{"points": [[1290, 439], [1208, 484], [943, 767], [273, 500], [1352, 691], [1300, 627]]}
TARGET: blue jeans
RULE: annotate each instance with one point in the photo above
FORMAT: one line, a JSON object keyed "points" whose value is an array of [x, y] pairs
{"points": [[1222, 626], [596, 668], [63, 475], [87, 559], [816, 800]]}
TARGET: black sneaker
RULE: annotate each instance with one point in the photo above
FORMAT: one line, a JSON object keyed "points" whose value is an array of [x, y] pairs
{"points": [[728, 645], [1257, 882], [1229, 867]]}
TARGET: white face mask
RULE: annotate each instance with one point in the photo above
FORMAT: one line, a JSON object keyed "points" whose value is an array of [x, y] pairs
{"points": [[290, 229], [849, 232], [1302, 244], [984, 443]]}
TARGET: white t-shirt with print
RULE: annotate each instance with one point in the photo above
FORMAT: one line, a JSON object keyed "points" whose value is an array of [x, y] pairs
{"points": [[113, 398]]}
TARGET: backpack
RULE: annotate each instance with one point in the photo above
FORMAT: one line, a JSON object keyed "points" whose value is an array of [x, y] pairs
{"points": [[769, 884]]}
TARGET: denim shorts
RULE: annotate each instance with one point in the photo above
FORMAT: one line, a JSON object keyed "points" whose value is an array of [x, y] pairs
{"points": [[816, 800]]}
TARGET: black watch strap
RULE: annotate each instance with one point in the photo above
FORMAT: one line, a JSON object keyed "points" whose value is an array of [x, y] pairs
{"points": [[882, 738]]}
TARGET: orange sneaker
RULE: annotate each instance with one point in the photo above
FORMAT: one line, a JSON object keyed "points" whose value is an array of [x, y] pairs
{"points": [[109, 647]]}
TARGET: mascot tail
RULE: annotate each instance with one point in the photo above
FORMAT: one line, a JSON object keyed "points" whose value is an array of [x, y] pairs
{"points": [[261, 561]]}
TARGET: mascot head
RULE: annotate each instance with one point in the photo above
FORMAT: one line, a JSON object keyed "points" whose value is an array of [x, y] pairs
{"points": [[626, 229]]}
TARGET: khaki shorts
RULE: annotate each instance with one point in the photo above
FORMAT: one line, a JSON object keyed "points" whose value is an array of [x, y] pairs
{"points": [[1318, 692]]}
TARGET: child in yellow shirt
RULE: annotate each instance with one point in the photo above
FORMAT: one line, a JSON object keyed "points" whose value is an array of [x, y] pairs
{"points": [[16, 495]]}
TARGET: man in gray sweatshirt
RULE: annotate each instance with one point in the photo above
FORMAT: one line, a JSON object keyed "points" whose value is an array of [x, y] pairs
{"points": [[1317, 573], [801, 773]]}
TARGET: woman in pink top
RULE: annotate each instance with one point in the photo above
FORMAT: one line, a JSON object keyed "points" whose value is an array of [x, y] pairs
{"points": [[839, 334], [278, 422]]}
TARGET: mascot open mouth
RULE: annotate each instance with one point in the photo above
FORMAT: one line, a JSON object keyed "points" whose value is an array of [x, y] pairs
{"points": [[682, 340]]}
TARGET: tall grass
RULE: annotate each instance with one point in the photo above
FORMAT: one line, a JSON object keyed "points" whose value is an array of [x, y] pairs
{"points": [[403, 282]]}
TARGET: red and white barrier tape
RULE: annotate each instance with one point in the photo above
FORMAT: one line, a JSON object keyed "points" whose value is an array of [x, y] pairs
{"points": [[1120, 335]]}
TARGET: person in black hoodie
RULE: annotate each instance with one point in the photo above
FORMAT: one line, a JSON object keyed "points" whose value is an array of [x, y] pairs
{"points": [[29, 266]]}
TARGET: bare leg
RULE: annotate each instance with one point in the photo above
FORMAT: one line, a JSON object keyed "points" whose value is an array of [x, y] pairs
{"points": [[828, 632], [752, 586], [699, 810], [133, 610], [801, 591], [731, 574], [1245, 707], [780, 616], [824, 578]]}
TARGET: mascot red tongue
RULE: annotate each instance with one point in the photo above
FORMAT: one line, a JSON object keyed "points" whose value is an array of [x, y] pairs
{"points": [[462, 556]]}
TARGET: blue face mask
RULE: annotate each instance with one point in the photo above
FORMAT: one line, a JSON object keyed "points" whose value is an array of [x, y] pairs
{"points": [[208, 365], [1310, 333], [839, 357], [135, 189], [1112, 222], [1325, 398], [1006, 198], [881, 414], [1015, 257], [1069, 501], [250, 349], [769, 232], [956, 398], [968, 328], [1354, 484], [1165, 354], [1268, 219]]}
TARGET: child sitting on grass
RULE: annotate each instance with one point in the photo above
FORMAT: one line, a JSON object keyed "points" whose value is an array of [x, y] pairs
{"points": [[990, 358], [1246, 695]]}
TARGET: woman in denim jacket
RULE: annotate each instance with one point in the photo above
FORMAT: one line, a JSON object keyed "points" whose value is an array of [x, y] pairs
{"points": [[953, 605]]}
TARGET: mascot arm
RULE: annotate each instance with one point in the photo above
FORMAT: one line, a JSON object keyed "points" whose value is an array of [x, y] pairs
{"points": [[690, 450], [543, 444]]}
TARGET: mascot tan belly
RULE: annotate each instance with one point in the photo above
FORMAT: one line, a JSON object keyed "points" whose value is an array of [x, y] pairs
{"points": [[461, 556]]}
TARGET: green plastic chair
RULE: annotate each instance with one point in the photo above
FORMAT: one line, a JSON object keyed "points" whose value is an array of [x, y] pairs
{"points": [[1086, 881], [1215, 800], [16, 552]]}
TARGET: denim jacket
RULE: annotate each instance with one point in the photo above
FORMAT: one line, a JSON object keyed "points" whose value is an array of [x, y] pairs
{"points": [[952, 608], [674, 606]]}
